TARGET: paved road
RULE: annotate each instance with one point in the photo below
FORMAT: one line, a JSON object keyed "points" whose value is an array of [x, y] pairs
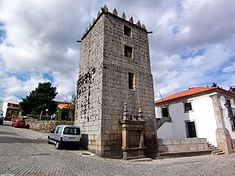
{"points": [[25, 152]]}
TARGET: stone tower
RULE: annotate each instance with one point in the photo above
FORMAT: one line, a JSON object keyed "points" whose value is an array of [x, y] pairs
{"points": [[114, 72]]}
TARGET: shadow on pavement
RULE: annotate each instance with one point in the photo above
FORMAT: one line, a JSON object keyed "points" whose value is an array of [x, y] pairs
{"points": [[7, 133], [9, 140]]}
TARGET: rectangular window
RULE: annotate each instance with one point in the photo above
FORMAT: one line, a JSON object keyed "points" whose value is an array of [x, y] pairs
{"points": [[228, 103], [128, 51], [127, 31], [71, 131], [232, 121], [187, 107], [231, 110], [165, 112], [131, 80]]}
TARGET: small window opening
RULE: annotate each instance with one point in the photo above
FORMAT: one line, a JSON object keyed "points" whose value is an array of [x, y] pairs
{"points": [[187, 106], [165, 112], [127, 31], [228, 104], [128, 51], [131, 80], [232, 121]]}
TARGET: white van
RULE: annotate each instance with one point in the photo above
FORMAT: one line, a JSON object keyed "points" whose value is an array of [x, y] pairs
{"points": [[64, 135]]}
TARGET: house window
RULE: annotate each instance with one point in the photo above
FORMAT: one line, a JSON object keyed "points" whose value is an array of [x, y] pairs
{"points": [[165, 112], [231, 110], [187, 106], [232, 121], [228, 103], [128, 51], [127, 31], [131, 80]]}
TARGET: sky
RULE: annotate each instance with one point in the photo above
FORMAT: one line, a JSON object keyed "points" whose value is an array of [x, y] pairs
{"points": [[192, 44]]}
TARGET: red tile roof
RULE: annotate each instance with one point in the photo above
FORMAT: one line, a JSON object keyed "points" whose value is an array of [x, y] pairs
{"points": [[62, 105], [189, 92]]}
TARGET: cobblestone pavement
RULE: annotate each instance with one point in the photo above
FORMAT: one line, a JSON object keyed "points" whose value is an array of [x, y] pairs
{"points": [[25, 152]]}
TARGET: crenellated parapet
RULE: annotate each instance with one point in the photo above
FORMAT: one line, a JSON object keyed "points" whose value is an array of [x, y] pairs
{"points": [[105, 10]]}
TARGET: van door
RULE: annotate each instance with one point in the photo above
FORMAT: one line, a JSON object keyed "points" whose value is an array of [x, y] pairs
{"points": [[57, 133], [71, 134]]}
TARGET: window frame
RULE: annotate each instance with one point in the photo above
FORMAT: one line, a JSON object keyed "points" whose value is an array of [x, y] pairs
{"points": [[228, 103], [128, 51], [131, 81], [186, 109], [71, 131], [232, 122], [166, 111], [127, 31]]}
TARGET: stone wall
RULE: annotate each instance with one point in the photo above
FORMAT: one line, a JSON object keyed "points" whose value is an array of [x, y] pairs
{"points": [[89, 88], [45, 125], [182, 145], [115, 82]]}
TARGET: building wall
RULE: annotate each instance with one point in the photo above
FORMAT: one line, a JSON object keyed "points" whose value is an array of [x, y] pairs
{"points": [[165, 131], [103, 84], [225, 115], [115, 90], [10, 108], [205, 119], [202, 114], [88, 113], [4, 108]]}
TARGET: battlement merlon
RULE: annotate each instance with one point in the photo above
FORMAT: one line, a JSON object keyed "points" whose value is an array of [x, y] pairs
{"points": [[104, 10]]}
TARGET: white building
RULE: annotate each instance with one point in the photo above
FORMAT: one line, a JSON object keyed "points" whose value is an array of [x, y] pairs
{"points": [[201, 112], [10, 110]]}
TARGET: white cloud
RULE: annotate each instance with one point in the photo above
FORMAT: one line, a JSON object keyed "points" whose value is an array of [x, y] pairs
{"points": [[230, 68], [41, 38], [13, 88], [193, 25]]}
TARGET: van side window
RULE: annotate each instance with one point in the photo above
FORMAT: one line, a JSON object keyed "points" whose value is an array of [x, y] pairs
{"points": [[57, 130]]}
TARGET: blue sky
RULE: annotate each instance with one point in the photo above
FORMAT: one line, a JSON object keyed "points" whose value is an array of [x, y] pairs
{"points": [[192, 44]]}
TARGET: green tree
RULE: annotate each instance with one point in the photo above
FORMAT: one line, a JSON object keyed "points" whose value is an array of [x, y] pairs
{"points": [[62, 114], [67, 113], [40, 100]]}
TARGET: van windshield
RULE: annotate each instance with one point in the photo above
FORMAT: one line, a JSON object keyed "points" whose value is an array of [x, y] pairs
{"points": [[72, 130]]}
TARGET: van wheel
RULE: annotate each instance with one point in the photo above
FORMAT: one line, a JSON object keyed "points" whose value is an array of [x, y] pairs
{"points": [[57, 145]]}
